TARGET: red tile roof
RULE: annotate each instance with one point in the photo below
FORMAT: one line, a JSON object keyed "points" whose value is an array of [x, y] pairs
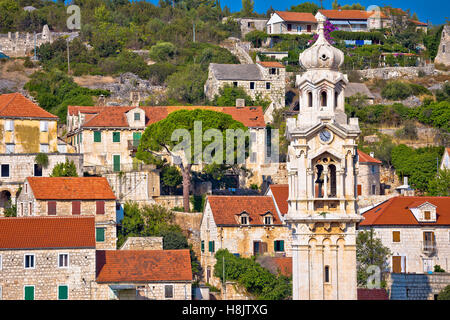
{"points": [[143, 265], [226, 209], [15, 105], [115, 116], [350, 14], [47, 232], [419, 23], [284, 265], [296, 16], [372, 294], [364, 157], [281, 193], [71, 188], [396, 211], [271, 64]]}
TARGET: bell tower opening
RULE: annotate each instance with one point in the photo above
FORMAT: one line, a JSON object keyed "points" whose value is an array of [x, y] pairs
{"points": [[323, 99]]}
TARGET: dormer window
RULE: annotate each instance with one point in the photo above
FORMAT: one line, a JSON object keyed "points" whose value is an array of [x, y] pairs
{"points": [[268, 220], [244, 218], [137, 116], [427, 215]]}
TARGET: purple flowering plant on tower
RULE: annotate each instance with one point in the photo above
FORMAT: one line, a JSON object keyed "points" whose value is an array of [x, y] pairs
{"points": [[328, 27]]}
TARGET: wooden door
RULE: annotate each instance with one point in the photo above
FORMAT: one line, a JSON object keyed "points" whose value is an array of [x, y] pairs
{"points": [[396, 264]]}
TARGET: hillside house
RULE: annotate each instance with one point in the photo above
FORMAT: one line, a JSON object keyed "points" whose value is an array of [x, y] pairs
{"points": [[415, 229], [72, 196], [143, 275], [266, 79], [368, 175], [27, 130], [245, 225], [356, 20], [286, 22], [47, 258], [248, 24]]}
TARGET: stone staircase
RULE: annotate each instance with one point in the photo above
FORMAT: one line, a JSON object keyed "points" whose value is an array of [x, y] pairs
{"points": [[239, 49]]}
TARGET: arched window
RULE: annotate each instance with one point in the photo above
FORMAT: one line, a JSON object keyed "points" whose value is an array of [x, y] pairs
{"points": [[310, 99], [323, 99]]}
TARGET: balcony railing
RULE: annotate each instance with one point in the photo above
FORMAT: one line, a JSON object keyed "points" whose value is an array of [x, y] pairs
{"points": [[428, 247]]}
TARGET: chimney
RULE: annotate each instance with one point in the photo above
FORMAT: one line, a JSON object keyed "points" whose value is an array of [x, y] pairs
{"points": [[405, 180], [372, 155], [135, 98], [101, 102], [240, 103]]}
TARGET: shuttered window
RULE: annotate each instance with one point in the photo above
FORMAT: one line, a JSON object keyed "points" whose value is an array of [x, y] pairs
{"points": [[29, 292], [51, 208], [203, 246], [76, 207], [427, 215], [116, 136], [100, 234], [395, 236], [97, 136], [100, 205], [168, 291], [211, 246], [63, 292], [278, 245]]}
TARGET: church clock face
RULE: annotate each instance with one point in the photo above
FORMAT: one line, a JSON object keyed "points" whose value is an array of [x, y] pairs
{"points": [[325, 136]]}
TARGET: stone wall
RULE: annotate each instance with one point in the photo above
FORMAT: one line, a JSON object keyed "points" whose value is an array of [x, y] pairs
{"points": [[135, 185], [143, 291], [170, 201], [368, 177], [190, 225], [396, 72], [416, 286], [46, 276], [143, 243]]}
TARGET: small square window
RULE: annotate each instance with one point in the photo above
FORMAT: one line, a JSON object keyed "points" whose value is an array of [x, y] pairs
{"points": [[137, 116], [278, 245], [267, 220], [244, 220], [235, 84], [37, 170], [395, 236], [44, 126], [63, 260], [100, 207], [51, 208], [427, 215], [97, 136], [252, 85], [29, 261], [63, 292], [5, 170], [268, 85], [116, 136], [168, 291], [10, 147]]}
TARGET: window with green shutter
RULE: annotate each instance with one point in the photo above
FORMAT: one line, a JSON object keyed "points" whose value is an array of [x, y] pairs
{"points": [[63, 292], [203, 246], [29, 292], [136, 138], [116, 162], [97, 136], [116, 136], [278, 245], [211, 246], [100, 234]]}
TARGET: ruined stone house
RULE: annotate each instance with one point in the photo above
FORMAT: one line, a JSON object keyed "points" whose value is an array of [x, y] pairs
{"points": [[368, 176], [72, 196], [244, 225], [443, 54], [27, 130]]}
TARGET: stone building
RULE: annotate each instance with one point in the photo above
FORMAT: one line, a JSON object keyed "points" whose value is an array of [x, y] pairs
{"points": [[415, 229], [72, 196], [143, 275], [22, 44], [286, 22], [248, 24], [245, 225], [368, 175], [47, 258], [354, 89], [443, 54], [108, 138], [27, 130], [356, 20], [322, 171], [266, 79]]}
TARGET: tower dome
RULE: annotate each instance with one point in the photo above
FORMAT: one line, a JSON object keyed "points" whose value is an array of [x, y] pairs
{"points": [[322, 55]]}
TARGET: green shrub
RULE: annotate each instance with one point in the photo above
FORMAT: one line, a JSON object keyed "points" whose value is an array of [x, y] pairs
{"points": [[444, 294], [396, 90]]}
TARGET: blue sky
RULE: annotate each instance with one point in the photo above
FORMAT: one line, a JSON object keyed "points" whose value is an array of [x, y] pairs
{"points": [[433, 10]]}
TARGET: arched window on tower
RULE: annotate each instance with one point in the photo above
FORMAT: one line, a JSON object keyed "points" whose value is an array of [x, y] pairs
{"points": [[323, 99], [310, 99], [336, 96]]}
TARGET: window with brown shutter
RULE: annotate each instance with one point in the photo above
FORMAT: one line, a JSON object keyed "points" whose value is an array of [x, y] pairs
{"points": [[396, 264], [359, 190], [100, 207], [395, 236], [51, 208], [76, 205], [427, 215]]}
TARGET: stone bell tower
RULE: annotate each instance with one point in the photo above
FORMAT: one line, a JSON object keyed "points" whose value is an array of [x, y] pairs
{"points": [[322, 160]]}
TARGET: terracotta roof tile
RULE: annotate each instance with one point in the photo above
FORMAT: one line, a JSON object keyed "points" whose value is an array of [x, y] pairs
{"points": [[115, 116], [350, 14], [16, 105], [284, 265], [226, 209], [296, 16], [396, 211], [47, 232], [271, 64], [419, 23], [71, 188], [372, 294], [281, 194], [143, 265], [364, 157]]}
